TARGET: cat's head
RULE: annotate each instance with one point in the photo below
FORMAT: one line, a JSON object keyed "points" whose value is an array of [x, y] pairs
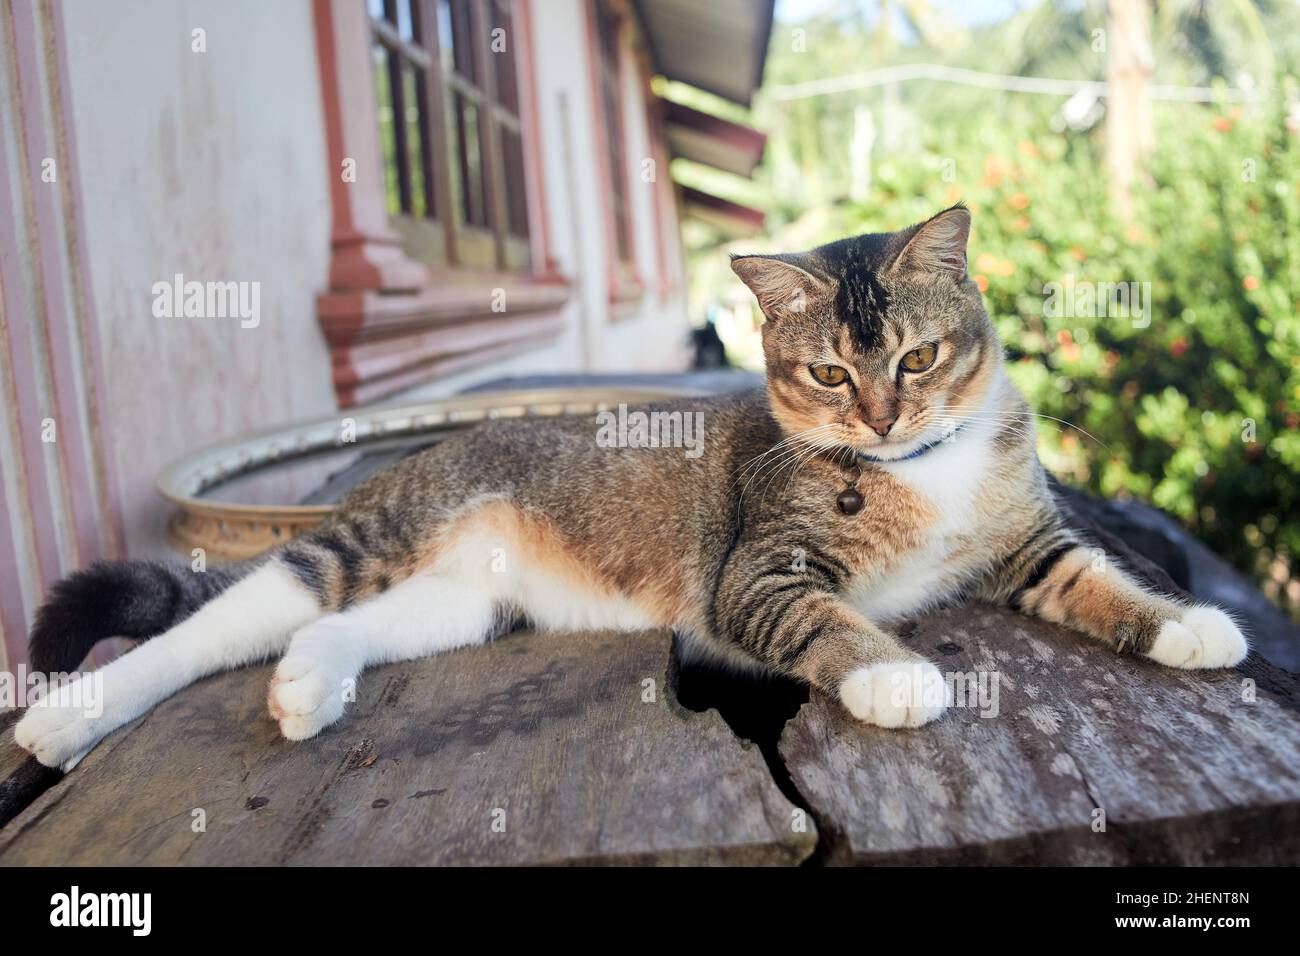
{"points": [[879, 342]]}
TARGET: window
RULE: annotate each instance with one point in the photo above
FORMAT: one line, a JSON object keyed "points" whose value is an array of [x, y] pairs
{"points": [[609, 80], [449, 130], [430, 214]]}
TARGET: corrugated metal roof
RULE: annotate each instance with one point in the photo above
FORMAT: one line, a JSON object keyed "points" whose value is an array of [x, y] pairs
{"points": [[717, 45]]}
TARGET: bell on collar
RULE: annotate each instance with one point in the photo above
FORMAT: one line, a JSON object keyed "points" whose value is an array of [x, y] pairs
{"points": [[849, 501]]}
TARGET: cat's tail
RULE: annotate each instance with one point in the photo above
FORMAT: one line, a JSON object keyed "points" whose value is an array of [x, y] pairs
{"points": [[138, 599]]}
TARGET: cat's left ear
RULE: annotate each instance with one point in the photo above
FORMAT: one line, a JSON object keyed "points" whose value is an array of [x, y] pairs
{"points": [[782, 285], [938, 246]]}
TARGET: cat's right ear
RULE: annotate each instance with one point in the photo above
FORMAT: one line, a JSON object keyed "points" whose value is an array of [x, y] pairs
{"points": [[783, 289]]}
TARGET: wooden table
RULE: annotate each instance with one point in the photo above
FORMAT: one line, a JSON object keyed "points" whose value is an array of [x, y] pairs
{"points": [[597, 748], [576, 749]]}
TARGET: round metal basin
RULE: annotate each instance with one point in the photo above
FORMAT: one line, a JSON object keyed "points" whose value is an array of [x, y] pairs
{"points": [[233, 530]]}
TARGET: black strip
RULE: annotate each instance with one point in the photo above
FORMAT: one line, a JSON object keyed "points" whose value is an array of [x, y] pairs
{"points": [[393, 529], [1068, 586], [816, 565], [752, 594], [360, 535], [766, 610], [180, 602], [216, 580], [1039, 572], [841, 569], [771, 624], [306, 568], [791, 656], [1030, 538], [781, 588], [349, 560]]}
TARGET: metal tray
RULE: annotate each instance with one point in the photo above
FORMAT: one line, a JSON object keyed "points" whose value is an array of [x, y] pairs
{"points": [[233, 531]]}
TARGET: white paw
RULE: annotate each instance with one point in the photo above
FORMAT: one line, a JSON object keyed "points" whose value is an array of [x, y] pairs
{"points": [[61, 731], [1205, 637], [307, 694], [901, 694]]}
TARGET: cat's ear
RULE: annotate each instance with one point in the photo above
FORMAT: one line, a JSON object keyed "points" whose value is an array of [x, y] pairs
{"points": [[938, 246], [783, 288]]}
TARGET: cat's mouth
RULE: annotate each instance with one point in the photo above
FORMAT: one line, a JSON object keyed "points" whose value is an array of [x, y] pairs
{"points": [[890, 449], [895, 447]]}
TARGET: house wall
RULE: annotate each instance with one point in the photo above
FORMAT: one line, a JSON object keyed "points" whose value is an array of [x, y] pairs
{"points": [[206, 164], [213, 165]]}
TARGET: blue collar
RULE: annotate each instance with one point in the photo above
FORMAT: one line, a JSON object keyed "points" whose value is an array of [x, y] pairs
{"points": [[917, 453]]}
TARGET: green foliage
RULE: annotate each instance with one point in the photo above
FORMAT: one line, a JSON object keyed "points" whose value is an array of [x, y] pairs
{"points": [[1195, 406], [1193, 403]]}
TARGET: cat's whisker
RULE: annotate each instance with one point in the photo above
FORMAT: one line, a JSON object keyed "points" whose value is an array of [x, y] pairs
{"points": [[971, 412], [812, 452], [774, 466], [758, 459], [782, 447], [793, 461], [989, 430], [757, 463]]}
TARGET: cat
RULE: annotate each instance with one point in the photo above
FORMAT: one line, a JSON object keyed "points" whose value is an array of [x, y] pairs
{"points": [[888, 467]]}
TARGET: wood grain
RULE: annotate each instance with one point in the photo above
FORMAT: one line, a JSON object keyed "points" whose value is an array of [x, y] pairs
{"points": [[1186, 769], [551, 731]]}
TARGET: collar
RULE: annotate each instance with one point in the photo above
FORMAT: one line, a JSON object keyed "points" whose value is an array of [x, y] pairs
{"points": [[915, 453]]}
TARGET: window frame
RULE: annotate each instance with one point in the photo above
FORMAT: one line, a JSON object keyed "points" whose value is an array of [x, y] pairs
{"points": [[610, 125], [445, 237], [392, 318]]}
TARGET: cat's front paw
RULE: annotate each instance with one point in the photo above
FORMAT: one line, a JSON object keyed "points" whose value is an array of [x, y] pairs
{"points": [[307, 694], [1205, 637], [897, 694], [58, 733]]}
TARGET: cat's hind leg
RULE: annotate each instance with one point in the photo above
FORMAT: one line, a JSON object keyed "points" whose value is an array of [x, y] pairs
{"points": [[422, 615], [250, 621]]}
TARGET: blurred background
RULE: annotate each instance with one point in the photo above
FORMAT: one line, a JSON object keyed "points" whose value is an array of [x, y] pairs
{"points": [[222, 217]]}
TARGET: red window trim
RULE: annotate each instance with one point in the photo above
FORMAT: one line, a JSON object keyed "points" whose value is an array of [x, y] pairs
{"points": [[662, 192], [446, 317], [623, 279]]}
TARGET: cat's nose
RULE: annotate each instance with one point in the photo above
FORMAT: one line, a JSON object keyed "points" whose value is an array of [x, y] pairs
{"points": [[881, 426]]}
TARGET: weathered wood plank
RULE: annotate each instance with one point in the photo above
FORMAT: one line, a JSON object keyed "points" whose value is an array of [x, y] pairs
{"points": [[1187, 768], [547, 735]]}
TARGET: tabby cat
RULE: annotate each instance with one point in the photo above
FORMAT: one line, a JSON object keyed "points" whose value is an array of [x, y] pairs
{"points": [[888, 468]]}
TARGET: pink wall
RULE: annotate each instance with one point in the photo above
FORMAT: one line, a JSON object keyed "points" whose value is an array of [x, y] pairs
{"points": [[212, 163]]}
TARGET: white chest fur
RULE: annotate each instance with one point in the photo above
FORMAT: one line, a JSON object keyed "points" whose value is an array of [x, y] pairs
{"points": [[949, 478]]}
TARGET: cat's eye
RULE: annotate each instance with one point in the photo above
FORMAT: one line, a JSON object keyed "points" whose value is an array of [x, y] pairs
{"points": [[918, 360], [829, 375]]}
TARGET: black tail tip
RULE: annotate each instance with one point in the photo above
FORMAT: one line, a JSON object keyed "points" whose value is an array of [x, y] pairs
{"points": [[108, 599]]}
